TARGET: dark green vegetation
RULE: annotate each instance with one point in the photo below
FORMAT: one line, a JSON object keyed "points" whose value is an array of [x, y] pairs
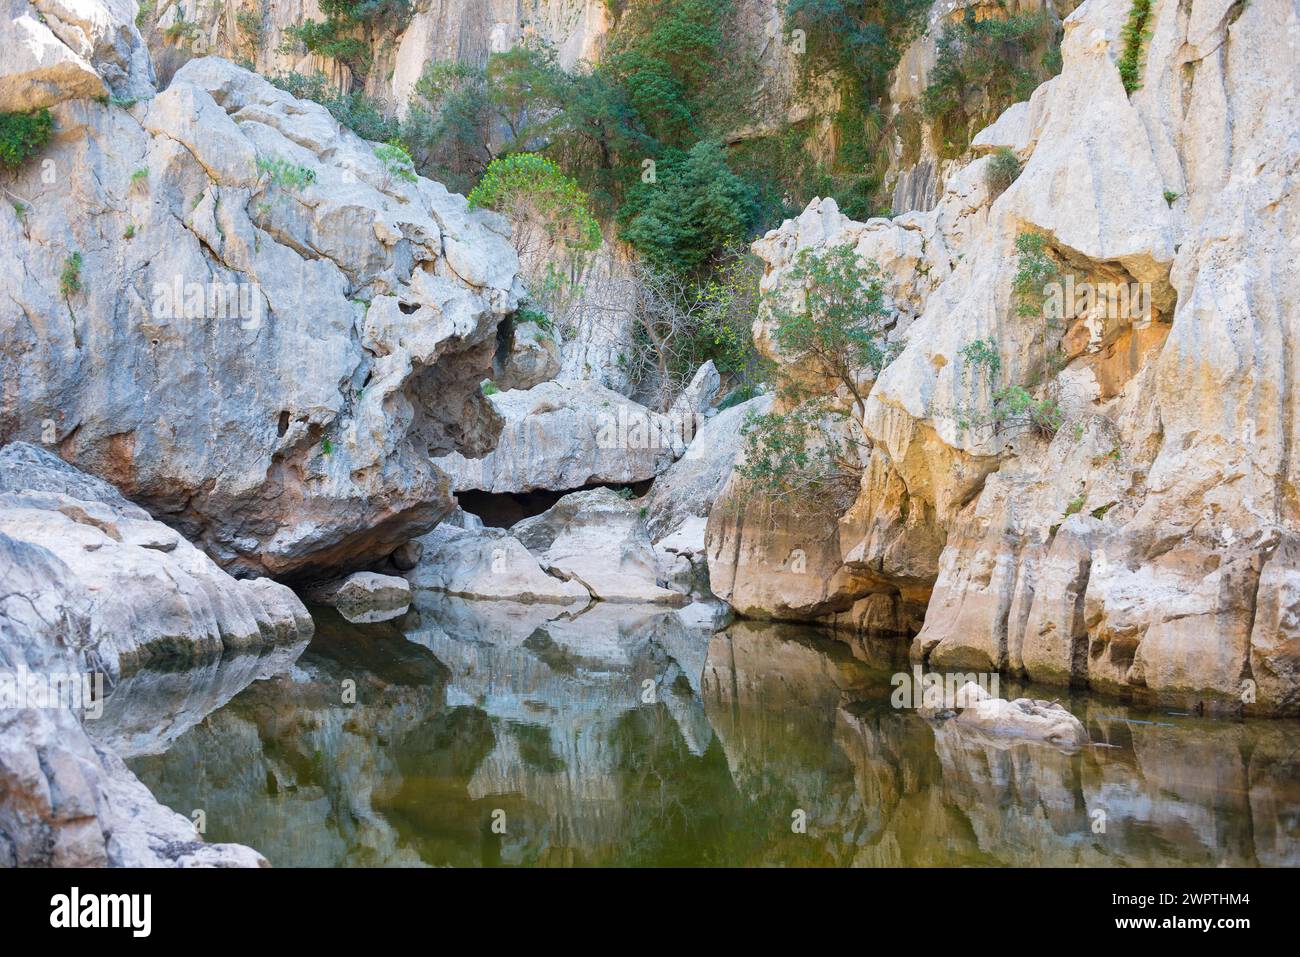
{"points": [[22, 135], [983, 67]]}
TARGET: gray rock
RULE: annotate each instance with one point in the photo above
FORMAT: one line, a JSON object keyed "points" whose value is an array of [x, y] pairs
{"points": [[287, 335], [598, 538], [566, 435]]}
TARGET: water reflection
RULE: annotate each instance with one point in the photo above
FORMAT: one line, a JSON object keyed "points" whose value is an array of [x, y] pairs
{"points": [[633, 736]]}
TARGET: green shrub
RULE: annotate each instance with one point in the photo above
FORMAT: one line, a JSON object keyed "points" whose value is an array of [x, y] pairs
{"points": [[358, 112], [70, 278], [284, 174], [1002, 170], [1133, 37], [489, 387], [22, 135], [527, 180], [397, 161], [695, 207]]}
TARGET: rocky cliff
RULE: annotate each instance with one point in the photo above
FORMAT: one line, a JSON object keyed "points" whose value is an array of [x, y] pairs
{"points": [[1143, 541], [243, 316]]}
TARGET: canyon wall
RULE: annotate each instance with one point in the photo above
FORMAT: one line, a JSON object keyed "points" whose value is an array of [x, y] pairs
{"points": [[1148, 545]]}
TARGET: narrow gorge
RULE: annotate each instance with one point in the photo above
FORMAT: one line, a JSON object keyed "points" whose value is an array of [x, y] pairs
{"points": [[644, 422]]}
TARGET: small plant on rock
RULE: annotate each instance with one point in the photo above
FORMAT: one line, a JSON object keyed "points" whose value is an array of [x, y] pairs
{"points": [[22, 135]]}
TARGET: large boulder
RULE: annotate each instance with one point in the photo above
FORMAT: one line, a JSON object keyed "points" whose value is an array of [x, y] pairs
{"points": [[598, 539], [262, 333], [151, 594], [562, 436], [488, 563]]}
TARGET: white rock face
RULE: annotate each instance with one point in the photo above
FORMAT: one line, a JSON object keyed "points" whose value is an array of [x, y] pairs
{"points": [[566, 435], [532, 357], [598, 539], [488, 563], [365, 596], [272, 332], [1147, 547], [93, 585], [150, 593], [57, 50]]}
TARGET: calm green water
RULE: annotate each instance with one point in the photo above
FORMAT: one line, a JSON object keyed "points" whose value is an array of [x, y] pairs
{"points": [[631, 737]]}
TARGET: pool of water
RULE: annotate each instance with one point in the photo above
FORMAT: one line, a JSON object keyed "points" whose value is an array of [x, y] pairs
{"points": [[484, 734]]}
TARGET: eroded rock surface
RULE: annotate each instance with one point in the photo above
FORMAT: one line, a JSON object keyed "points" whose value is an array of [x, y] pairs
{"points": [[1135, 548], [93, 586], [266, 331]]}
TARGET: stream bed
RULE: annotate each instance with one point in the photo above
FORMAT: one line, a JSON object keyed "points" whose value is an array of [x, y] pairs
{"points": [[483, 734]]}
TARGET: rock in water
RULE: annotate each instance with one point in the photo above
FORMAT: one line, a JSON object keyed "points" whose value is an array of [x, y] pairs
{"points": [[598, 539], [93, 585], [365, 596], [263, 331], [151, 595]]}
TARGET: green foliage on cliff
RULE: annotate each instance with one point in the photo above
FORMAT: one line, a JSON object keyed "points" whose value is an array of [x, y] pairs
{"points": [[345, 33], [694, 207], [22, 135], [520, 179], [1133, 37], [861, 40], [357, 111], [983, 66], [837, 330]]}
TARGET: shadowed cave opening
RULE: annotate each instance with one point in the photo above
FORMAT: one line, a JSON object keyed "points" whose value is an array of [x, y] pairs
{"points": [[503, 509]]}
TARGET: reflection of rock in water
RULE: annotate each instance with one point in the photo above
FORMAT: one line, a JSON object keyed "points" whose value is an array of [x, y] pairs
{"points": [[150, 709], [882, 787], [467, 708], [293, 769], [581, 705]]}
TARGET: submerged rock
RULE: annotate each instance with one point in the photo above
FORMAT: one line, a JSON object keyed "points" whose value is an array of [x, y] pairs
{"points": [[365, 596], [977, 710]]}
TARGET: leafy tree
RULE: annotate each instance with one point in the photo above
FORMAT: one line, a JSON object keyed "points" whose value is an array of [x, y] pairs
{"points": [[695, 206], [838, 328], [527, 185]]}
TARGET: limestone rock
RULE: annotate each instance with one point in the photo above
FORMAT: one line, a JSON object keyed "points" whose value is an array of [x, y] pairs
{"points": [[57, 50], [273, 332], [365, 596], [530, 358], [93, 585], [1024, 718], [150, 593], [567, 435], [598, 539], [488, 563]]}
